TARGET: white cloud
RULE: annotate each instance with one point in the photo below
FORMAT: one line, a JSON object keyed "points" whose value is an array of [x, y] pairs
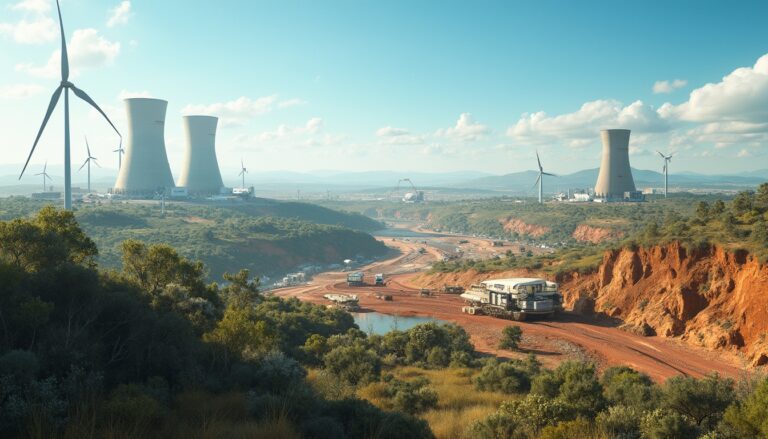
{"points": [[291, 103], [39, 30], [238, 111], [581, 128], [38, 6], [398, 136], [87, 50], [742, 95], [466, 129], [19, 91], [283, 132], [120, 14], [665, 86], [743, 154]]}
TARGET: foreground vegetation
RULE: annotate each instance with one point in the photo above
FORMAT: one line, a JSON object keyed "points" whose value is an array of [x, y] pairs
{"points": [[152, 350], [225, 238]]}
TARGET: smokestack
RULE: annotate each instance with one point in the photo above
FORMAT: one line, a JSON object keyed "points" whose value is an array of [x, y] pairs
{"points": [[145, 167], [615, 178], [200, 173]]}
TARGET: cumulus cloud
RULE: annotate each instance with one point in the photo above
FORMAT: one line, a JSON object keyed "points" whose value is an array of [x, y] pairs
{"points": [[38, 6], [87, 50], [398, 136], [36, 31], [742, 95], [743, 154], [19, 91], [580, 128], [466, 129], [120, 14], [665, 86], [288, 103], [238, 111]]}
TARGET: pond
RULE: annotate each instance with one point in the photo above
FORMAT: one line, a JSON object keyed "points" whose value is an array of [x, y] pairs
{"points": [[404, 233], [377, 323]]}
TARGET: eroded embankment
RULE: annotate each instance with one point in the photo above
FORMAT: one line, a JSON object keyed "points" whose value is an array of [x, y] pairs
{"points": [[708, 297]]}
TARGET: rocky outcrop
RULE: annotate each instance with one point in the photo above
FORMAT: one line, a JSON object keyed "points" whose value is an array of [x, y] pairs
{"points": [[595, 235], [522, 228]]}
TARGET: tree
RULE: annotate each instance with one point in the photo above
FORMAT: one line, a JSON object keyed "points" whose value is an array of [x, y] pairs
{"points": [[702, 211], [749, 418], [701, 400], [761, 198], [667, 424], [718, 207], [575, 384], [625, 386], [743, 202], [510, 337], [512, 376], [355, 364]]}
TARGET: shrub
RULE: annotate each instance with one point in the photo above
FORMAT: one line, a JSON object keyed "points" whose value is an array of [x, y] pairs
{"points": [[749, 418], [523, 418], [666, 424], [701, 400], [625, 386], [620, 422], [573, 383], [578, 428], [353, 364], [411, 397], [508, 377], [510, 337]]}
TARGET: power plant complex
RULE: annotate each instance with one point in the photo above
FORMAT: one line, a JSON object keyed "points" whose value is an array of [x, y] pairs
{"points": [[145, 170]]}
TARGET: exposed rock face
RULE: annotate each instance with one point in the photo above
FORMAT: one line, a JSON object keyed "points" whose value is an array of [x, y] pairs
{"points": [[595, 235], [522, 228], [709, 297]]}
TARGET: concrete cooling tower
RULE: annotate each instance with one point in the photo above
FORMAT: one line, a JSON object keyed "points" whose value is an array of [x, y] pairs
{"points": [[145, 168], [200, 173], [615, 182]]}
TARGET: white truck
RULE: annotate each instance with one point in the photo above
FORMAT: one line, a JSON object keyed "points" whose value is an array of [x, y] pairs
{"points": [[513, 298]]}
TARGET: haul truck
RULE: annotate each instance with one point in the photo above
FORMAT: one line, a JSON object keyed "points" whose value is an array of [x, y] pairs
{"points": [[513, 298], [379, 280], [355, 279]]}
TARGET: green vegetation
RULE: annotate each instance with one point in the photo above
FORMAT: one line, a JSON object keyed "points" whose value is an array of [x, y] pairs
{"points": [[152, 350], [510, 337], [225, 238]]}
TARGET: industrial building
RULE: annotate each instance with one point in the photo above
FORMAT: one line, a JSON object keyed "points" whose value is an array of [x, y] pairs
{"points": [[200, 173], [145, 169], [615, 182]]}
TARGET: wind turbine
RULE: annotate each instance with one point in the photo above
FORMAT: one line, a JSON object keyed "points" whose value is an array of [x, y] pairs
{"points": [[45, 174], [64, 86], [667, 159], [540, 179], [120, 151], [88, 162], [243, 171]]}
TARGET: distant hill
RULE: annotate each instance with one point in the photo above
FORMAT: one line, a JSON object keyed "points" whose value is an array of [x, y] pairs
{"points": [[523, 181]]}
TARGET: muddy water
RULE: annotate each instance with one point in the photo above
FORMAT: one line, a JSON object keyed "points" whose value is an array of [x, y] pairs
{"points": [[376, 323]]}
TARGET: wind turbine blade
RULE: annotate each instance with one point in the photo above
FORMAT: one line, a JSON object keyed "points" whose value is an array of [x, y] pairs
{"points": [[539, 160], [88, 147], [84, 96], [662, 155], [537, 182], [84, 163], [241, 173], [51, 107], [547, 173], [95, 162], [64, 57]]}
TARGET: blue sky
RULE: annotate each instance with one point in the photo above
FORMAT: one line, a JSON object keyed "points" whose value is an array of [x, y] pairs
{"points": [[404, 85]]}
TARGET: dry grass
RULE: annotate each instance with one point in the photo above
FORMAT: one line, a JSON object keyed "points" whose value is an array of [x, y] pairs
{"points": [[459, 403]]}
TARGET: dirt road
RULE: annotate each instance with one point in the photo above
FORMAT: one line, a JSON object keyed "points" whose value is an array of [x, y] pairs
{"points": [[568, 337]]}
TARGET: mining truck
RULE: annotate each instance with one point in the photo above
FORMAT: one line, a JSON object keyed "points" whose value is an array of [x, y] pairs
{"points": [[514, 298]]}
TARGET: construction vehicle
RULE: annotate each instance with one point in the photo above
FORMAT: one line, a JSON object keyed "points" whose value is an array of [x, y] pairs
{"points": [[425, 292], [384, 297], [453, 289], [379, 280], [514, 298], [348, 302], [355, 279]]}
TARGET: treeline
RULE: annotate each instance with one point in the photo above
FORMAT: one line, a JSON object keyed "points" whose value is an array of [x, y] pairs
{"points": [[741, 223], [224, 238]]}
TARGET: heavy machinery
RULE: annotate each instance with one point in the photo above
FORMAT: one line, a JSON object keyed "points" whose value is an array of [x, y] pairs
{"points": [[513, 298], [355, 279], [379, 280]]}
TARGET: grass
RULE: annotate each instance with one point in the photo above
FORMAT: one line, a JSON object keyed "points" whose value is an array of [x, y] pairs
{"points": [[459, 403]]}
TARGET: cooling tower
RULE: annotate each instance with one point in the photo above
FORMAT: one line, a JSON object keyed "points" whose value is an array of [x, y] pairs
{"points": [[200, 173], [145, 168], [615, 179]]}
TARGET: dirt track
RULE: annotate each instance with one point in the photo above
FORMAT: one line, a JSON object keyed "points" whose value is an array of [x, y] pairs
{"points": [[567, 337]]}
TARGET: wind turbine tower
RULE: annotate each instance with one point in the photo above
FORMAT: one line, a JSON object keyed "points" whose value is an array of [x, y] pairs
{"points": [[65, 86], [667, 159], [88, 162], [45, 175], [540, 179], [120, 151], [242, 173]]}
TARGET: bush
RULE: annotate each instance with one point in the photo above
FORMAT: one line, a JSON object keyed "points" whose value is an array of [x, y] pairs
{"points": [[523, 418], [749, 418], [578, 428], [510, 337], [411, 397], [620, 422], [512, 376], [667, 424], [627, 387], [573, 383], [703, 401], [353, 364]]}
